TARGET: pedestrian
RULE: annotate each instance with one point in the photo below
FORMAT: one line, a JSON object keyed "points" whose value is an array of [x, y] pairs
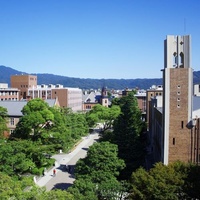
{"points": [[54, 172]]}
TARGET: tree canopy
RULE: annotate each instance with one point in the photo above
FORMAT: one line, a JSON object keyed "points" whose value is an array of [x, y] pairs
{"points": [[173, 181], [104, 115], [128, 134], [3, 121], [96, 175]]}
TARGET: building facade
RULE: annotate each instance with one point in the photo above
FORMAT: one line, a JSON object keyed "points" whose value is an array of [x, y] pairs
{"points": [[174, 117], [67, 97], [8, 94], [177, 99], [23, 83]]}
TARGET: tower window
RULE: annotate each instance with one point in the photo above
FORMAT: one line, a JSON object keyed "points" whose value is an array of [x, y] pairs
{"points": [[182, 59], [182, 124], [178, 106], [178, 86], [175, 59], [178, 99], [174, 141], [178, 93]]}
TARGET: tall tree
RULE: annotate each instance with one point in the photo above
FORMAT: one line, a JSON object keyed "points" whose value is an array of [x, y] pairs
{"points": [[128, 130], [96, 175]]}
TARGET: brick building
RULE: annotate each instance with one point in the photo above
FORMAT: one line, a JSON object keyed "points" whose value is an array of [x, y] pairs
{"points": [[23, 83], [174, 130]]}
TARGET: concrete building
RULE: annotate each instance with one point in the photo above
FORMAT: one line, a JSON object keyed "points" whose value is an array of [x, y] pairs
{"points": [[151, 93], [8, 94], [67, 97], [197, 90]]}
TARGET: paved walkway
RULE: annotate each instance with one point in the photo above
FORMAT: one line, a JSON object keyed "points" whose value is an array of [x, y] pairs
{"points": [[64, 178]]}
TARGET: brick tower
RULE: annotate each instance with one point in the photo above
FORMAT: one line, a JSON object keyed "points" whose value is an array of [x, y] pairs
{"points": [[177, 99]]}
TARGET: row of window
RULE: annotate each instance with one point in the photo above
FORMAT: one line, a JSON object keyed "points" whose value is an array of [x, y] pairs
{"points": [[178, 98], [5, 99], [8, 93]]}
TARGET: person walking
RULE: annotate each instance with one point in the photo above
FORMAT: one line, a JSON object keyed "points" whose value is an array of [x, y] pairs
{"points": [[54, 172]]}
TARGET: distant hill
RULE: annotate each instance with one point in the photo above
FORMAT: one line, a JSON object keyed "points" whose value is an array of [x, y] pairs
{"points": [[6, 72]]}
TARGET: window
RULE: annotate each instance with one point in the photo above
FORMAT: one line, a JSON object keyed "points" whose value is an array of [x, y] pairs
{"points": [[175, 59], [12, 121], [174, 141], [182, 124]]}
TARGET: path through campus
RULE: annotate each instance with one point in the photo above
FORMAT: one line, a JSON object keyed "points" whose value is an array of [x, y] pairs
{"points": [[63, 178]]}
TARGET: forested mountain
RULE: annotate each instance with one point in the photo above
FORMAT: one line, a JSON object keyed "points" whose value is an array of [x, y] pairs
{"points": [[88, 83]]}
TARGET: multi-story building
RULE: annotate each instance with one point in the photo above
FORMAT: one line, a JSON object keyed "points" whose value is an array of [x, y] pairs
{"points": [[154, 91], [8, 94], [23, 83], [67, 97]]}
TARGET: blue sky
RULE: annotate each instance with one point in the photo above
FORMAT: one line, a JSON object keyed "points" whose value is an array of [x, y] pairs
{"points": [[94, 38]]}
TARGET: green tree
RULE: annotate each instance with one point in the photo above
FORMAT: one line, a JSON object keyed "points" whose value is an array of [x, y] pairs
{"points": [[161, 182], [127, 134], [9, 187], [3, 121], [105, 115], [191, 181], [36, 193], [37, 116], [96, 175]]}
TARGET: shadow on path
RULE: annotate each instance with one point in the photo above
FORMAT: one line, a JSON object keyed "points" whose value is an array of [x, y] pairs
{"points": [[62, 186], [85, 148]]}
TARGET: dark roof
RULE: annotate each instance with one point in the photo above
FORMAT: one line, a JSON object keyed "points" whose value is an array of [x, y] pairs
{"points": [[14, 108]]}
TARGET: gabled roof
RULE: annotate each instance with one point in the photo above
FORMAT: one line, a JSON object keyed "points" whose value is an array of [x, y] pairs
{"points": [[92, 97], [14, 108]]}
